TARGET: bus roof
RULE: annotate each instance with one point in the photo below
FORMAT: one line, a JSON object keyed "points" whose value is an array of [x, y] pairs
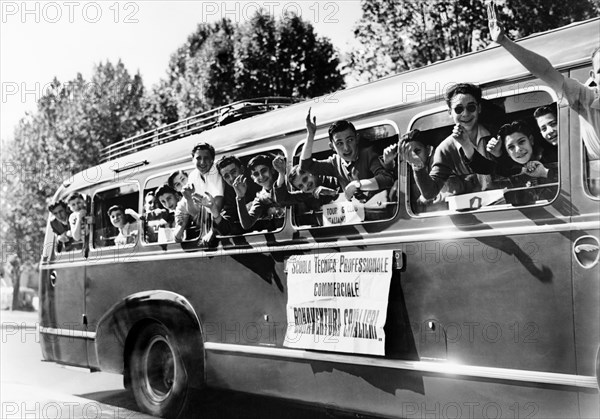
{"points": [[566, 46]]}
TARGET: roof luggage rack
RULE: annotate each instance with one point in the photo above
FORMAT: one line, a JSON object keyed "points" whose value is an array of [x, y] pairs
{"points": [[195, 124]]}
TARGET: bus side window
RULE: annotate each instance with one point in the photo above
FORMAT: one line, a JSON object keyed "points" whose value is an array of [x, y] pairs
{"points": [[153, 216], [592, 177], [79, 201], [262, 210], [368, 205], [116, 219], [591, 172], [58, 236], [508, 181], [165, 216], [591, 162]]}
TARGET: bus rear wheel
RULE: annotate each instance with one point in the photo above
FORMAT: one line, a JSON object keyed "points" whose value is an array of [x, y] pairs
{"points": [[159, 379]]}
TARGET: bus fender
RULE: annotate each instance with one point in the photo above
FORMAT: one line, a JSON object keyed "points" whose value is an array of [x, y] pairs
{"points": [[117, 330]]}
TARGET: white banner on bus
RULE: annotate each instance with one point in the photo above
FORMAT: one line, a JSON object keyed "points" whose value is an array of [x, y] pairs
{"points": [[338, 302]]}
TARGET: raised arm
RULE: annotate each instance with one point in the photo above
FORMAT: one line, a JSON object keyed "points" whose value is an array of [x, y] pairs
{"points": [[427, 185], [461, 138], [388, 159], [210, 203], [78, 224], [307, 162], [536, 64], [311, 129], [279, 166], [241, 187], [135, 215], [188, 193]]}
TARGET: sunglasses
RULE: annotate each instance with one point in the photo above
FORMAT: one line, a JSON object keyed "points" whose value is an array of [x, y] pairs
{"points": [[471, 107]]}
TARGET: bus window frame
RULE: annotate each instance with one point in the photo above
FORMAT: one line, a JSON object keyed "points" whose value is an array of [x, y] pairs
{"points": [[55, 255], [49, 248], [243, 156], [583, 156], [584, 179], [92, 236], [500, 93], [298, 147], [166, 174]]}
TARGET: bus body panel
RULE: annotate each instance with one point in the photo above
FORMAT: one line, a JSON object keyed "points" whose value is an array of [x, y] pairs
{"points": [[389, 392], [586, 280], [62, 297]]}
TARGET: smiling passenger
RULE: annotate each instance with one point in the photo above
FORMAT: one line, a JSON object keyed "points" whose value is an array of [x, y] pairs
{"points": [[264, 204], [525, 163], [128, 228], [204, 181], [355, 168], [227, 222], [545, 117], [468, 137]]}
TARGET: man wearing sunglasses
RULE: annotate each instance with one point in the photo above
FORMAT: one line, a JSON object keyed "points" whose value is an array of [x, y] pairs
{"points": [[464, 106]]}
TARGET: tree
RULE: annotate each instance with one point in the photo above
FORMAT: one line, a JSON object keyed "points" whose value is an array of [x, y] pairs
{"points": [[310, 64], [406, 34], [76, 119], [256, 57], [21, 224], [284, 58], [181, 93], [72, 123], [160, 105], [225, 62], [216, 66]]}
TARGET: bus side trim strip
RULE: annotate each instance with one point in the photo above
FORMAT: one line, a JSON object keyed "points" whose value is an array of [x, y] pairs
{"points": [[71, 333], [440, 367], [395, 240]]}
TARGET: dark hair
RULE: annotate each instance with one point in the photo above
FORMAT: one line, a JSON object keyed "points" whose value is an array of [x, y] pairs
{"points": [[204, 146], [172, 177], [165, 189], [116, 208], [74, 195], [59, 203], [339, 126], [412, 135], [264, 159], [515, 126], [295, 171], [465, 89], [544, 110], [226, 161]]}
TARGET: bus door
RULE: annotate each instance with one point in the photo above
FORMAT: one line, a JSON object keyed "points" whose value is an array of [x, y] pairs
{"points": [[62, 286], [585, 180], [109, 252]]}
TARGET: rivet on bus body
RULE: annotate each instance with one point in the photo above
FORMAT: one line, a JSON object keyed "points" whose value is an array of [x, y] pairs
{"points": [[431, 325]]}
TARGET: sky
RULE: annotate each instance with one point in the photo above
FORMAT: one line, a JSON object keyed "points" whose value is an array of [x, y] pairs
{"points": [[41, 40]]}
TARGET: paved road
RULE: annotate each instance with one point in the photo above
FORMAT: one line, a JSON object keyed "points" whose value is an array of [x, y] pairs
{"points": [[31, 388]]}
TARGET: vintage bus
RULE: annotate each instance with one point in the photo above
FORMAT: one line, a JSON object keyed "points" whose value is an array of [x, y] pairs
{"points": [[485, 307]]}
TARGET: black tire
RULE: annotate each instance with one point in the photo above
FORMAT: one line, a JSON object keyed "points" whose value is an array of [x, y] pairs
{"points": [[159, 377]]}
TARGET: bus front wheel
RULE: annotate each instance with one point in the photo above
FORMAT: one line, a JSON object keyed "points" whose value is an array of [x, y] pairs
{"points": [[159, 379]]}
